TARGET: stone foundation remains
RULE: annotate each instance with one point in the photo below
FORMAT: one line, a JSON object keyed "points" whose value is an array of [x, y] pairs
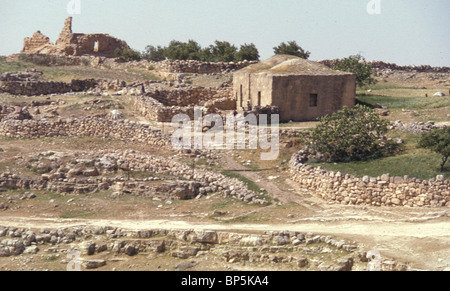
{"points": [[280, 249], [84, 175], [161, 105]]}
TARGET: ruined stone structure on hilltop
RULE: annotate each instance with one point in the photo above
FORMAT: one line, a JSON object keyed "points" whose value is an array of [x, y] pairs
{"points": [[74, 44]]}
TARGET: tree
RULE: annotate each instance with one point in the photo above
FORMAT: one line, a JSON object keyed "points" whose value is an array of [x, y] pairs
{"points": [[155, 54], [247, 52], [352, 134], [356, 64], [291, 48], [178, 50], [206, 55], [223, 51], [128, 54], [439, 142]]}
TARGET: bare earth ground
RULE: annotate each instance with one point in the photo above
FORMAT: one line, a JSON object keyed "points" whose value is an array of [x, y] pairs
{"points": [[420, 236], [417, 236]]}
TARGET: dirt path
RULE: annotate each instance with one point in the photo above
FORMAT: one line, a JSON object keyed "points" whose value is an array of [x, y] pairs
{"points": [[284, 196], [418, 236], [421, 237], [424, 245]]}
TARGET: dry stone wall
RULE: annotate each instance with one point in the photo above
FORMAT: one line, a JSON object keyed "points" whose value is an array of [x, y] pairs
{"points": [[394, 67], [189, 67], [36, 88], [121, 129], [161, 105], [380, 191], [28, 84], [187, 96]]}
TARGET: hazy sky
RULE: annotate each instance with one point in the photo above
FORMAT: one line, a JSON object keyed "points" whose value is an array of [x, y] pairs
{"points": [[406, 32]]}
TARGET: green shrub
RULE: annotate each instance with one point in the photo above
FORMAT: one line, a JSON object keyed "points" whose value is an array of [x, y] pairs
{"points": [[352, 134], [439, 142], [356, 65], [155, 54], [128, 54]]}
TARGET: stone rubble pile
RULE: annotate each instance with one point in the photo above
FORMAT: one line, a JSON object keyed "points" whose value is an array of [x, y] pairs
{"points": [[84, 175], [273, 247], [28, 76], [415, 127], [14, 113]]}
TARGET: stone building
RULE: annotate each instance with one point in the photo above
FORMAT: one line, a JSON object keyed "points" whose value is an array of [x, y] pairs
{"points": [[74, 44], [302, 90]]}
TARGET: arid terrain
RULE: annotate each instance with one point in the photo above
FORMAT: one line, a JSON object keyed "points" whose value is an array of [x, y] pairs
{"points": [[93, 172]]}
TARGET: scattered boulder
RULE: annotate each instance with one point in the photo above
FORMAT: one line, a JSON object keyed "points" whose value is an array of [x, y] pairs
{"points": [[87, 248], [93, 264], [207, 237], [183, 266]]}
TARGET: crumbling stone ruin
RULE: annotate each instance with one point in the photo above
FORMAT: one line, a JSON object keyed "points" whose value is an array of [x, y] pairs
{"points": [[162, 104], [283, 250], [66, 173], [74, 44], [416, 127], [28, 84]]}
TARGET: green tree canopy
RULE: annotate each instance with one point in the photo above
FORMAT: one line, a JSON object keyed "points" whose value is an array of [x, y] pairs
{"points": [[178, 50], [247, 52], [351, 134], [356, 64], [223, 51], [220, 51], [291, 48], [439, 142], [128, 54], [155, 54]]}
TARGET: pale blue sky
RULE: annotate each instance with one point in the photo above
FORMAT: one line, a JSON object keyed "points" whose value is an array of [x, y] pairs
{"points": [[407, 32]]}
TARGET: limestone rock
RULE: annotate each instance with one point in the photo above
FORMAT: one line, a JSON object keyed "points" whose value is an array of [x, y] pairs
{"points": [[93, 264]]}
